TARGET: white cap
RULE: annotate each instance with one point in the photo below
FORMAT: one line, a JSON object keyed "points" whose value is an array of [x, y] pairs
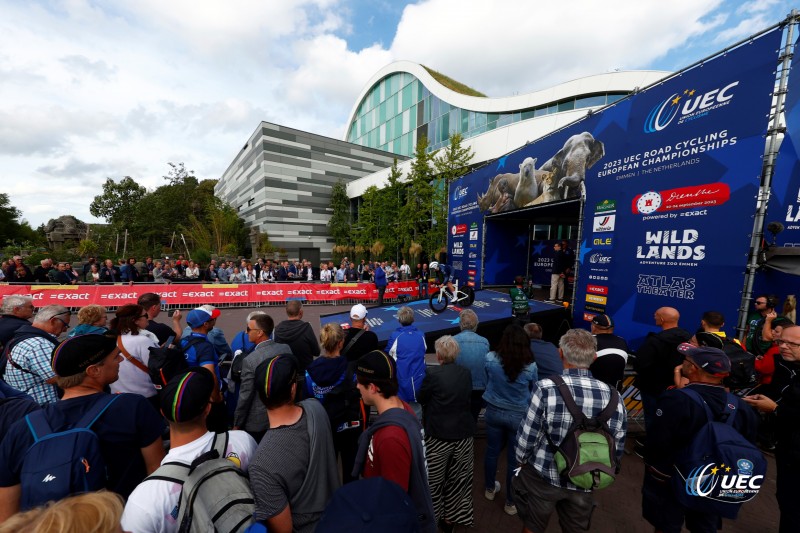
{"points": [[358, 312]]}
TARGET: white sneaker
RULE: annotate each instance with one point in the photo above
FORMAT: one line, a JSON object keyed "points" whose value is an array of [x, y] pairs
{"points": [[490, 494], [510, 509]]}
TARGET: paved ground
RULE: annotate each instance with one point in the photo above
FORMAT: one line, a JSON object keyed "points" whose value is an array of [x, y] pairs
{"points": [[619, 506]]}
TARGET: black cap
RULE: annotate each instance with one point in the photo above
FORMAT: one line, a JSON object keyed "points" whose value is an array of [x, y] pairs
{"points": [[77, 353], [603, 320], [376, 365], [187, 394]]}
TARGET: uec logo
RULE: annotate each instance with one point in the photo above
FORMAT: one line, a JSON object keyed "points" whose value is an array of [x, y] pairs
{"points": [[662, 114]]}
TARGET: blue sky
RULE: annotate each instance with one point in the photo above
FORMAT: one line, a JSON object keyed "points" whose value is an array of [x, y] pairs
{"points": [[93, 89]]}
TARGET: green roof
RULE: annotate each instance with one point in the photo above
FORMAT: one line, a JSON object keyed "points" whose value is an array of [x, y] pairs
{"points": [[452, 84]]}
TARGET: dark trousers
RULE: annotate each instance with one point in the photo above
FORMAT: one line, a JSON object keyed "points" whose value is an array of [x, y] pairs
{"points": [[381, 290], [476, 403], [346, 445], [788, 493]]}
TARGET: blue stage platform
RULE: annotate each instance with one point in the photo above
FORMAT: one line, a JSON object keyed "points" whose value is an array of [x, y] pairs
{"points": [[492, 308]]}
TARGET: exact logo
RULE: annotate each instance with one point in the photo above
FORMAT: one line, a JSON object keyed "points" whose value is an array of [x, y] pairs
{"points": [[597, 289], [458, 229], [602, 300], [665, 112], [604, 223], [460, 192]]}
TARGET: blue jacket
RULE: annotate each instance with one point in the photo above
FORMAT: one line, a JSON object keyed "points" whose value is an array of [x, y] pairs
{"points": [[502, 394], [548, 362], [217, 338], [472, 355], [380, 277], [407, 346]]}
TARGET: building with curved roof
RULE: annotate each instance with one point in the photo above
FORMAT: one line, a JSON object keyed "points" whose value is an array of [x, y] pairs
{"points": [[280, 181], [405, 101]]}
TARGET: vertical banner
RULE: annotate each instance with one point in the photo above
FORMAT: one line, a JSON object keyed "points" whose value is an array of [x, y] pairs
{"points": [[668, 211], [784, 206], [465, 238], [670, 175]]}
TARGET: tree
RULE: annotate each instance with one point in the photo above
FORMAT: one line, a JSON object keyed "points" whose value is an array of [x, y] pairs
{"points": [[390, 205], [119, 202], [415, 220], [366, 232], [453, 161], [177, 174], [9, 226], [339, 224], [219, 230]]}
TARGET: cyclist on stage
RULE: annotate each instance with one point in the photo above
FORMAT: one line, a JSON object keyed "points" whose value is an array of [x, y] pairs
{"points": [[447, 273]]}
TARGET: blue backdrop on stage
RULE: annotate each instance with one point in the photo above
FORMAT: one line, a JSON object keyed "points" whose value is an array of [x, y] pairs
{"points": [[670, 175]]}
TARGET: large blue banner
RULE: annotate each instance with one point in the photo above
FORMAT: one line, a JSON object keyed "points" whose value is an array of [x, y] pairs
{"points": [[784, 206], [670, 174]]}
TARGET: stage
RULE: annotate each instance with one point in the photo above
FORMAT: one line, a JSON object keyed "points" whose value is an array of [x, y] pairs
{"points": [[492, 307]]}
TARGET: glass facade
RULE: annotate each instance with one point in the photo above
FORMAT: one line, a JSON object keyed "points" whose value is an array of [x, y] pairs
{"points": [[399, 109]]}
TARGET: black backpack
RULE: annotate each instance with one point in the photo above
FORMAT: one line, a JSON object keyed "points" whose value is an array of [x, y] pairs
{"points": [[343, 402], [238, 360], [743, 366], [166, 362]]}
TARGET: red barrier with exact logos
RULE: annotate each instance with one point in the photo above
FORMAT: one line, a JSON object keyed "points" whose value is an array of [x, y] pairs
{"points": [[199, 294]]}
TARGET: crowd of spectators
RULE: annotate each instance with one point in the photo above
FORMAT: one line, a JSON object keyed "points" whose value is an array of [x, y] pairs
{"points": [[182, 270], [299, 401]]}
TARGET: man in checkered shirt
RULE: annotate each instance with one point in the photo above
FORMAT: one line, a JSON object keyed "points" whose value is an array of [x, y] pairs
{"points": [[538, 488], [28, 368]]}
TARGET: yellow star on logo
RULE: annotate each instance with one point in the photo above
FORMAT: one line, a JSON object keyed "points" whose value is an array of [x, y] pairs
{"points": [[686, 91], [676, 100], [691, 92], [728, 469], [722, 465], [714, 470]]}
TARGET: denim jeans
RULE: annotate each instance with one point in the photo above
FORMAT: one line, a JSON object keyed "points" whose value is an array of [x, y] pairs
{"points": [[501, 431]]}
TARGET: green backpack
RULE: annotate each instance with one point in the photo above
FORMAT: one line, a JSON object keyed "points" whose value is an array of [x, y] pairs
{"points": [[587, 456]]}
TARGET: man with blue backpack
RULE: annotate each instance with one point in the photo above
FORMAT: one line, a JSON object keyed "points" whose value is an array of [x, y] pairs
{"points": [[701, 463], [88, 440]]}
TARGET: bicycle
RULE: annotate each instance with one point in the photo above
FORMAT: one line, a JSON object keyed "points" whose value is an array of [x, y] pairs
{"points": [[439, 301]]}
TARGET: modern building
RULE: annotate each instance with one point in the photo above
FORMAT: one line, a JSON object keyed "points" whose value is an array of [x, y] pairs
{"points": [[281, 180], [280, 183], [404, 101]]}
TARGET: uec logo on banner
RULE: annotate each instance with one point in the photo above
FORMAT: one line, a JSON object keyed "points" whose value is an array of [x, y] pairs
{"points": [[663, 113]]}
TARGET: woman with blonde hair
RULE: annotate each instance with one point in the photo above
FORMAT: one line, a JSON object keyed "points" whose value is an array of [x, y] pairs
{"points": [[91, 320], [91, 512], [134, 343], [331, 380]]}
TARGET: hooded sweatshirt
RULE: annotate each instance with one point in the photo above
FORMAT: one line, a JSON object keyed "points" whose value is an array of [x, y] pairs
{"points": [[418, 487], [299, 335], [657, 358]]}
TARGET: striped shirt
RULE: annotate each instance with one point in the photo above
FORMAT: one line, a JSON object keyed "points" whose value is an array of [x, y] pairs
{"points": [[548, 416]]}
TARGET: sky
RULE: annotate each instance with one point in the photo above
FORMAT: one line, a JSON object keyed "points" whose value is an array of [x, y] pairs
{"points": [[91, 90]]}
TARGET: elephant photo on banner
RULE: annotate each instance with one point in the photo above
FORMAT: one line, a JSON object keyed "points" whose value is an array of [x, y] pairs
{"points": [[560, 178]]}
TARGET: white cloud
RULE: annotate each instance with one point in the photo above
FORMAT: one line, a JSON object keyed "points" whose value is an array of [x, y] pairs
{"points": [[90, 90]]}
